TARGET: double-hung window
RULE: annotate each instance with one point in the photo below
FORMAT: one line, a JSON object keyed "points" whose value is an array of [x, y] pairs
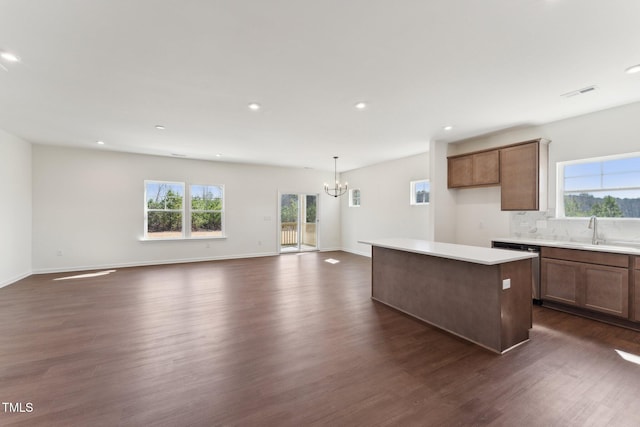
{"points": [[420, 192], [207, 210], [175, 210], [604, 187], [164, 210]]}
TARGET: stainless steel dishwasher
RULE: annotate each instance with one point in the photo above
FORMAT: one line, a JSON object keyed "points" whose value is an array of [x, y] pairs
{"points": [[535, 265]]}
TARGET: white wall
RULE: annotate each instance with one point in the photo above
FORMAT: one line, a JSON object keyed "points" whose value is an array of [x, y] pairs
{"points": [[614, 131], [385, 209], [89, 205], [443, 201], [15, 211]]}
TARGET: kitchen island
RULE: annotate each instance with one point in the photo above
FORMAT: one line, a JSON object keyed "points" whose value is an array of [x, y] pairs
{"points": [[480, 294]]}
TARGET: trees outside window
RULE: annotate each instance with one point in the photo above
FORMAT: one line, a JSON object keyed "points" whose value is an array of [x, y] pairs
{"points": [[604, 187], [206, 210], [420, 192], [164, 209], [167, 216]]}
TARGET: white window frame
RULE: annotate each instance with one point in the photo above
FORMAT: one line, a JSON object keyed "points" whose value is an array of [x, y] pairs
{"points": [[352, 202], [185, 211], [147, 210], [560, 192], [412, 192], [191, 211]]}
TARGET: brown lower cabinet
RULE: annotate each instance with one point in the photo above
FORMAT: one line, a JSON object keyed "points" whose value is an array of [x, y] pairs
{"points": [[567, 279]]}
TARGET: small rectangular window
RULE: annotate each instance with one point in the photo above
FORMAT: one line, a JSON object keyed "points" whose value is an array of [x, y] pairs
{"points": [[604, 187], [164, 210], [420, 192], [354, 198]]}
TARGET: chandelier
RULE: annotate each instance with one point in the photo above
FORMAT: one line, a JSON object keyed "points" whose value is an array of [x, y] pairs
{"points": [[338, 189]]}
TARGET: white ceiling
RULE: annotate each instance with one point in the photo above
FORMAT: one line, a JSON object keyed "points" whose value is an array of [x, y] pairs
{"points": [[113, 69]]}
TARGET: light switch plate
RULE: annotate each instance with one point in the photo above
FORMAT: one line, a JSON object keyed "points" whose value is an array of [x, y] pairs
{"points": [[506, 284]]}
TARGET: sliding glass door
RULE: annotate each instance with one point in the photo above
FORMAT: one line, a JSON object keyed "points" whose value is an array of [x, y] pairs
{"points": [[298, 222]]}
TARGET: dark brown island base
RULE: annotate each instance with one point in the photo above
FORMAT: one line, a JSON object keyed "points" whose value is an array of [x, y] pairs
{"points": [[480, 294]]}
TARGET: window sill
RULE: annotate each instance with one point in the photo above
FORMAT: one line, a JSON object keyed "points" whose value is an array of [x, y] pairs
{"points": [[182, 239]]}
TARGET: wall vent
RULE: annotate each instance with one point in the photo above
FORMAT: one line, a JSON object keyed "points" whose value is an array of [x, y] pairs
{"points": [[579, 91]]}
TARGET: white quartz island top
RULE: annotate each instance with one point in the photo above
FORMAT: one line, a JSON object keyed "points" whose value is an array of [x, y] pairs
{"points": [[474, 254]]}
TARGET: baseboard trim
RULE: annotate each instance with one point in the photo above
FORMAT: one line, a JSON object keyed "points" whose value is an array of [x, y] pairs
{"points": [[351, 251], [330, 249], [148, 263], [161, 262], [14, 279]]}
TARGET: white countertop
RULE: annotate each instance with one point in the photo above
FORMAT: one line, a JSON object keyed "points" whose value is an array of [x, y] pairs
{"points": [[475, 254], [571, 245]]}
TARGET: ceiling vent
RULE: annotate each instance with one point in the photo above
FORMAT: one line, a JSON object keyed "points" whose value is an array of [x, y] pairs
{"points": [[579, 91]]}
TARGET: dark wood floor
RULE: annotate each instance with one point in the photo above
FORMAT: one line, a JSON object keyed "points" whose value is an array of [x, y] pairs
{"points": [[289, 340]]}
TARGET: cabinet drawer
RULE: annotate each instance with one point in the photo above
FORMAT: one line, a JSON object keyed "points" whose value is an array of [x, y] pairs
{"points": [[591, 257]]}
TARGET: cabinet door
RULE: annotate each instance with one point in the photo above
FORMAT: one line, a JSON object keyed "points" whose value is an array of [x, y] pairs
{"points": [[486, 168], [460, 171], [560, 281], [606, 289], [636, 295], [519, 177]]}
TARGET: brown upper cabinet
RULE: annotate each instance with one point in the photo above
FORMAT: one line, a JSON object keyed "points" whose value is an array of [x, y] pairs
{"points": [[523, 176], [520, 170], [478, 169]]}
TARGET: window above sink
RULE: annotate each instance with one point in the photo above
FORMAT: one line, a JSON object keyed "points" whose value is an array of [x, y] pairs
{"points": [[607, 187]]}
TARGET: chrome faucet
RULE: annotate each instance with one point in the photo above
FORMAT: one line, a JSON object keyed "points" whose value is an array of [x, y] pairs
{"points": [[593, 224]]}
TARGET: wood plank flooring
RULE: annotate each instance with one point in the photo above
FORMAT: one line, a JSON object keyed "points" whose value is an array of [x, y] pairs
{"points": [[288, 341]]}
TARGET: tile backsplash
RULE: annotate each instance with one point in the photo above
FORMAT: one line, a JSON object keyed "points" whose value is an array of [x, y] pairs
{"points": [[544, 226]]}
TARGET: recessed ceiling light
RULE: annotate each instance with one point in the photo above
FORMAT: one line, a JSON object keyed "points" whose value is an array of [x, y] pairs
{"points": [[160, 127], [361, 105], [8, 56], [633, 70], [449, 127], [100, 142], [254, 106], [219, 155]]}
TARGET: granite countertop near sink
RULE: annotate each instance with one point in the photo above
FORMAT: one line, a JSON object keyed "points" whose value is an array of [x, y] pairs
{"points": [[620, 249]]}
